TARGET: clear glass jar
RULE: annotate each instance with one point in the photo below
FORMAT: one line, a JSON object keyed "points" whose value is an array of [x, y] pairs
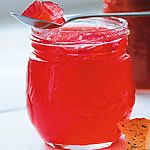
{"points": [[139, 38], [80, 83]]}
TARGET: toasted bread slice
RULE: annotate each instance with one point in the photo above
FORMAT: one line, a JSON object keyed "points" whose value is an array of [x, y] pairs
{"points": [[137, 133]]}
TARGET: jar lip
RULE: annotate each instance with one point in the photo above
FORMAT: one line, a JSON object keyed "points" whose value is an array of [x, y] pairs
{"points": [[122, 22], [103, 27]]}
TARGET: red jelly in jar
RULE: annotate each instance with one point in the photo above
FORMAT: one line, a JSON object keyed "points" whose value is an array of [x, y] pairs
{"points": [[139, 39], [80, 82]]}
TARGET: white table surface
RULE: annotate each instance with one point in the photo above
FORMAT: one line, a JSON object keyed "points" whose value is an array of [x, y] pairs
{"points": [[17, 133]]}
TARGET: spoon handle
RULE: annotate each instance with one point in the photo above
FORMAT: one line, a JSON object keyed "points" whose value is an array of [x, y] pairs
{"points": [[126, 14]]}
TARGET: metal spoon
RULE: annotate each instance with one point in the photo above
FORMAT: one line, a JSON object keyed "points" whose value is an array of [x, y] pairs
{"points": [[45, 24]]}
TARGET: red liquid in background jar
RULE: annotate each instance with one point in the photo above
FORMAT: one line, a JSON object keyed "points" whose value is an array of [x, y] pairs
{"points": [[79, 90], [139, 39]]}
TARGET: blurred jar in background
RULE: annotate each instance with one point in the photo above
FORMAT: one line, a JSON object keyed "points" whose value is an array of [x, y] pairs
{"points": [[139, 39]]}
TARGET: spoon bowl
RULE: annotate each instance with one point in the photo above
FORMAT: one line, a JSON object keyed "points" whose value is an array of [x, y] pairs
{"points": [[50, 25], [35, 22]]}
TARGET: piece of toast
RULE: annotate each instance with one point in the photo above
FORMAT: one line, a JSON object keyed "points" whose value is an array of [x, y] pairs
{"points": [[137, 133]]}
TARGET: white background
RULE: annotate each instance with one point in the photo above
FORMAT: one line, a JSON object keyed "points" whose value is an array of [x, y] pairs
{"points": [[16, 132], [70, 6], [15, 47]]}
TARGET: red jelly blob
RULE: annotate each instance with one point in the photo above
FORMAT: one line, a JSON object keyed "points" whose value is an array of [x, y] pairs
{"points": [[45, 10]]}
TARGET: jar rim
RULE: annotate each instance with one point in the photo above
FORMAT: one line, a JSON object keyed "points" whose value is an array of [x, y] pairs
{"points": [[101, 27]]}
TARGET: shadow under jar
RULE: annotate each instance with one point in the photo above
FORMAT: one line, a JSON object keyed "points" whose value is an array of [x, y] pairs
{"points": [[139, 39], [79, 83]]}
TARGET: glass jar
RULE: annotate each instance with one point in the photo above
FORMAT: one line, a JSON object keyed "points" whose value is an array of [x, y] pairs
{"points": [[80, 83], [139, 38]]}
